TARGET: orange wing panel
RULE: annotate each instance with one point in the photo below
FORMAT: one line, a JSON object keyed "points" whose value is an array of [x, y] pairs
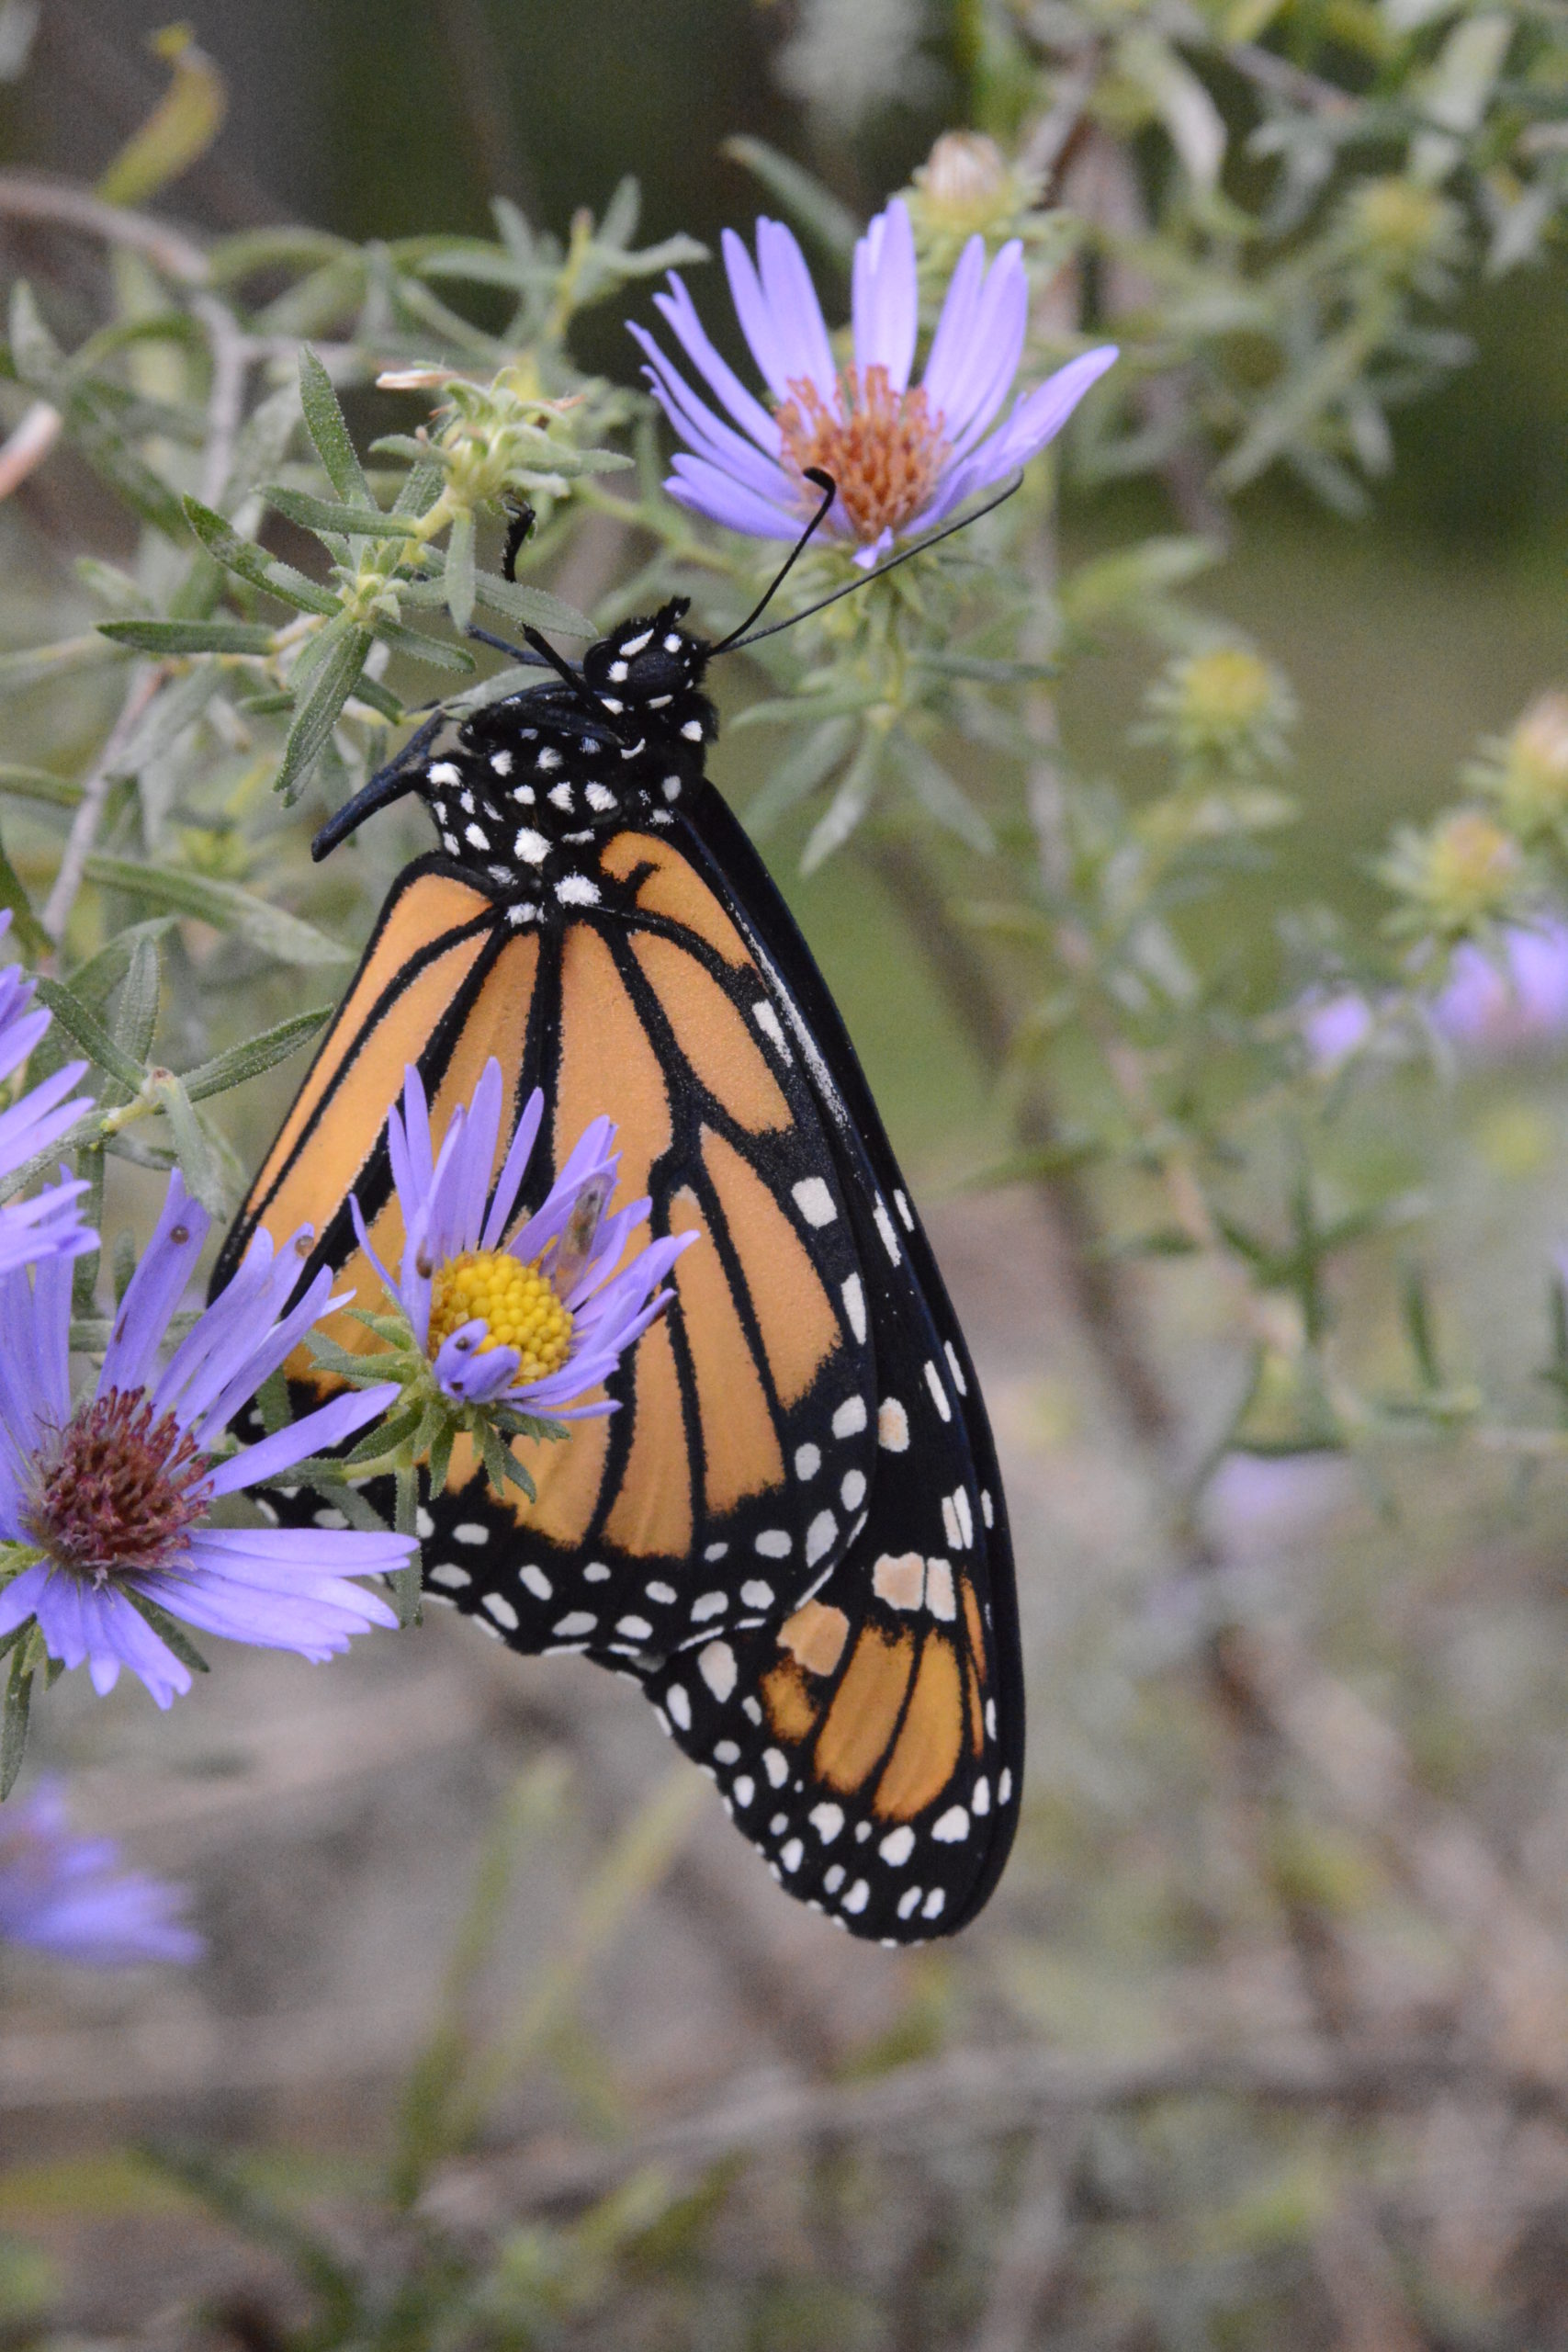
{"points": [[799, 1327], [741, 1446], [670, 889], [434, 905], [606, 1064], [712, 1035]]}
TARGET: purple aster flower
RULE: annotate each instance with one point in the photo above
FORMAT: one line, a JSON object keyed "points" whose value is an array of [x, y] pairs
{"points": [[902, 454], [1334, 1026], [69, 1896], [1518, 997], [48, 1222], [109, 1501], [531, 1322]]}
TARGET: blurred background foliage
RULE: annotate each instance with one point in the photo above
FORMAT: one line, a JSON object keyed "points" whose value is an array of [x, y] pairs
{"points": [[1266, 2042]]}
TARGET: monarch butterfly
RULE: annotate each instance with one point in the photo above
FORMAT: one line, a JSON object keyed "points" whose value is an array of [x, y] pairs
{"points": [[792, 1534]]}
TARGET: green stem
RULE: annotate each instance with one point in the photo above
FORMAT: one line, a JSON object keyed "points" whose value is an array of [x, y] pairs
{"points": [[407, 1583]]}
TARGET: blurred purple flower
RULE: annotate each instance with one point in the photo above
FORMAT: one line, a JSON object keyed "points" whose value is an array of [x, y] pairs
{"points": [[903, 455], [69, 1896], [1491, 1003], [1520, 1000], [48, 1224], [553, 1287], [108, 1502]]}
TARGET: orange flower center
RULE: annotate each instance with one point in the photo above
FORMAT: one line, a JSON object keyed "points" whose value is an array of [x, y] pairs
{"points": [[883, 448]]}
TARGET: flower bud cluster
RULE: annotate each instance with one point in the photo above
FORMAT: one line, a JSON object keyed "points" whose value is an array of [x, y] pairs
{"points": [[1224, 711]]}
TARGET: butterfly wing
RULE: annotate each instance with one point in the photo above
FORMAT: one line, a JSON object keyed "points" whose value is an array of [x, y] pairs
{"points": [[688, 1508], [870, 1743]]}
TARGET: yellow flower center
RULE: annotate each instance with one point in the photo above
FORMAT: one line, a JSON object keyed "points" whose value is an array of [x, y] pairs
{"points": [[883, 448], [516, 1302]]}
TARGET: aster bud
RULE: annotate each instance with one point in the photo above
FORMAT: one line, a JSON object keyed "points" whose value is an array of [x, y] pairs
{"points": [[1461, 874], [1403, 231], [1526, 772], [1225, 706]]}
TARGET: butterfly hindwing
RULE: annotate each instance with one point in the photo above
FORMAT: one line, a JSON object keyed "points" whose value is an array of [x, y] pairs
{"points": [[869, 1743]]}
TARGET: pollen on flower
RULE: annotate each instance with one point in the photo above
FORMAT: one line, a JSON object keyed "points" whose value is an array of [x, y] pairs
{"points": [[117, 1491], [884, 450], [517, 1303]]}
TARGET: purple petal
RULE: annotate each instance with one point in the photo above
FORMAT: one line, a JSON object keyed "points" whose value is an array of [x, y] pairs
{"points": [[974, 358], [327, 1426], [694, 482], [708, 439], [680, 313], [885, 304], [96, 1624], [509, 1183], [156, 1289], [1040, 414], [796, 313], [757, 322]]}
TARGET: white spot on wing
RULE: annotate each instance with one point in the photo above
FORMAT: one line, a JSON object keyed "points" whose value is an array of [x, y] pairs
{"points": [[858, 1897], [755, 1594], [901, 1204], [469, 1531], [576, 1621], [814, 1200], [792, 1855], [715, 1664], [934, 1903], [807, 1461], [743, 1790], [854, 1306], [885, 1226], [820, 1537], [941, 1598], [501, 1609], [775, 1768], [939, 1394], [531, 847], [536, 1581], [898, 1845], [827, 1820], [850, 1419], [950, 1827], [448, 1574], [892, 1427], [709, 1604], [680, 1705], [956, 1368], [577, 890], [444, 772], [774, 1544]]}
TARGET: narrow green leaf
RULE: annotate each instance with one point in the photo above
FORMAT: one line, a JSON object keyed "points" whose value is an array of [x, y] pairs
{"points": [[420, 648], [535, 607], [90, 1033], [28, 932], [940, 796], [102, 437], [122, 1265], [459, 573], [169, 1631], [328, 429], [193, 1145], [190, 636], [223, 904], [257, 1054], [244, 557], [320, 515], [318, 712], [847, 805], [136, 1014], [42, 665], [37, 783], [421, 484], [799, 773], [14, 1718], [95, 981]]}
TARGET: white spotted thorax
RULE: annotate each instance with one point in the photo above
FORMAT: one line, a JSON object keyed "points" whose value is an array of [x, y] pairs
{"points": [[522, 790]]}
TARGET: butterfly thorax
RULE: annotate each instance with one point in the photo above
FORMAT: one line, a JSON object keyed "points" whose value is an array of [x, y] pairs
{"points": [[524, 791]]}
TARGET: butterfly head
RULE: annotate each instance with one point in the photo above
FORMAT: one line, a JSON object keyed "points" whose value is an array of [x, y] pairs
{"points": [[649, 671]]}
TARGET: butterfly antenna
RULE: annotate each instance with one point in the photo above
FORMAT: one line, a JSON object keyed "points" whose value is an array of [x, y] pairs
{"points": [[733, 644], [830, 489]]}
